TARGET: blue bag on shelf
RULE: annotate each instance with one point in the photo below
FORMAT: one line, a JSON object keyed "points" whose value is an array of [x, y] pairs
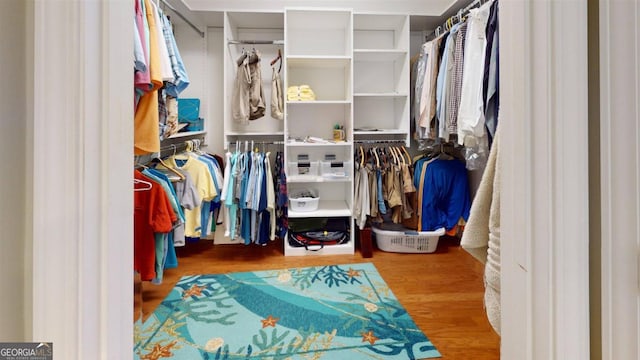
{"points": [[188, 109], [189, 113]]}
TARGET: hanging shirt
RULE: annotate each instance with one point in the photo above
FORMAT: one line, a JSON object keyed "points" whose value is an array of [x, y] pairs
{"points": [[427, 105], [146, 134], [188, 197], [139, 58], [445, 195], [471, 123], [418, 88], [361, 196], [490, 81], [444, 80], [441, 87], [181, 78], [231, 201], [142, 77], [204, 184], [373, 191], [271, 198], [282, 198], [163, 180], [225, 190], [455, 83], [205, 211], [165, 62], [152, 214]]}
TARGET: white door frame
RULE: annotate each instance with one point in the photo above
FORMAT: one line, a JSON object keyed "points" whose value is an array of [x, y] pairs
{"points": [[81, 203], [82, 137], [544, 207], [620, 177]]}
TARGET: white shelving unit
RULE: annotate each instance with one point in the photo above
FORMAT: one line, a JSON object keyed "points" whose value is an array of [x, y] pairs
{"points": [[319, 53], [358, 68], [381, 101]]}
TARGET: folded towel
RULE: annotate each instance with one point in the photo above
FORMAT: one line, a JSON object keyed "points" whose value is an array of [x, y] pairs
{"points": [[300, 93]]}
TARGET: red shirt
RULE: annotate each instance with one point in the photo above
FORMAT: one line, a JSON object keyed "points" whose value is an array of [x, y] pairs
{"points": [[152, 214]]}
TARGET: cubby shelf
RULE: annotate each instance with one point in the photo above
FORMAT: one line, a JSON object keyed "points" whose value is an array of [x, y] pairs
{"points": [[381, 45], [326, 208]]}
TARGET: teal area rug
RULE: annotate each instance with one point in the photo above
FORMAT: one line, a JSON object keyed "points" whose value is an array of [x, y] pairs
{"points": [[328, 312]]}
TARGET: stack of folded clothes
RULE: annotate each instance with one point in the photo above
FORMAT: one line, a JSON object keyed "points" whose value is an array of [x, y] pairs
{"points": [[300, 93]]}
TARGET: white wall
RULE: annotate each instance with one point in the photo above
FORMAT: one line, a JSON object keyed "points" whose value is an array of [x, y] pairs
{"points": [[13, 140], [215, 83], [203, 61]]}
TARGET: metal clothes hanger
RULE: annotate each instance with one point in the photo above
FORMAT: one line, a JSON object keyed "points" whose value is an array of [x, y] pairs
{"points": [[278, 57]]}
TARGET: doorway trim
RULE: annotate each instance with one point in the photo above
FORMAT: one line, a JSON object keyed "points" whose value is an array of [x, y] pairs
{"points": [[620, 178], [81, 205], [544, 204]]}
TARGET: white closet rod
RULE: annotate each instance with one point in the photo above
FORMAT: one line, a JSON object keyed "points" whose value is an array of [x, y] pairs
{"points": [[195, 28], [256, 42]]}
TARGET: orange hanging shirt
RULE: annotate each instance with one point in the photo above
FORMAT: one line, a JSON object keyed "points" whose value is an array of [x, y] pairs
{"points": [[146, 133]]}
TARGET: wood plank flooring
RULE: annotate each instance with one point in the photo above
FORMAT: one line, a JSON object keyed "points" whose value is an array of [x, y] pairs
{"points": [[443, 291]]}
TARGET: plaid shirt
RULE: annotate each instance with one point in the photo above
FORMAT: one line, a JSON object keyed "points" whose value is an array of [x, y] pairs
{"points": [[455, 85]]}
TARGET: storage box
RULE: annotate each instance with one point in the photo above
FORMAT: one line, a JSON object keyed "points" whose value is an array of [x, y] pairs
{"points": [[303, 168], [192, 125], [304, 200], [335, 169], [407, 241]]}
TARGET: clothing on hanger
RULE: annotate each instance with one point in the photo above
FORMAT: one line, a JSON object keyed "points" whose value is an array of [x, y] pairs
{"points": [[159, 77], [152, 214], [249, 198], [247, 102], [277, 95]]}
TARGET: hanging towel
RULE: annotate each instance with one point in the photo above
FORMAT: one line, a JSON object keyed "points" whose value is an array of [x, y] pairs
{"points": [[481, 236]]}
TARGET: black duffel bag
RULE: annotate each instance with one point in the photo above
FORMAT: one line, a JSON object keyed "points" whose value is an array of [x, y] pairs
{"points": [[316, 240]]}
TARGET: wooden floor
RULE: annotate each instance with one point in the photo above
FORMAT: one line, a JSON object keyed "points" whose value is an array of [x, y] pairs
{"points": [[442, 291]]}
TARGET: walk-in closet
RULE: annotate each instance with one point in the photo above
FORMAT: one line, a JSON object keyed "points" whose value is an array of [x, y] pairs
{"points": [[312, 136]]}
